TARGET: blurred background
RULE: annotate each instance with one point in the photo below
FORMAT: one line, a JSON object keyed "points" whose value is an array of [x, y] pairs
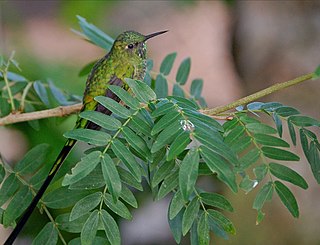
{"points": [[237, 47]]}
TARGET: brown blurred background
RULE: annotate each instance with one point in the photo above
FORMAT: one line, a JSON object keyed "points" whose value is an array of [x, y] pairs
{"points": [[237, 47]]}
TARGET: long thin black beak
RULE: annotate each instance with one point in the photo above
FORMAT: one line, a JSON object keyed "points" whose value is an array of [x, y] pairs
{"points": [[154, 34]]}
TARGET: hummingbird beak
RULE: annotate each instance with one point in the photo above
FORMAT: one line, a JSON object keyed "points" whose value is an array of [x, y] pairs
{"points": [[154, 34]]}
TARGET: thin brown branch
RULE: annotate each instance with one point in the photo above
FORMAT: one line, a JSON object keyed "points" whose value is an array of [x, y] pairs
{"points": [[60, 111]]}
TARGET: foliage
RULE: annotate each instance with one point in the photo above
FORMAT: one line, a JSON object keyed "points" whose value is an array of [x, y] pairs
{"points": [[164, 140]]}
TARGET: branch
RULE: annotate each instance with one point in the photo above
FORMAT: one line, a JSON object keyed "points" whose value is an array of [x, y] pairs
{"points": [[257, 95], [60, 111]]}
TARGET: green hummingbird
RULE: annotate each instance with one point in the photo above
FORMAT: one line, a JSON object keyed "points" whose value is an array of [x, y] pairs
{"points": [[126, 59]]}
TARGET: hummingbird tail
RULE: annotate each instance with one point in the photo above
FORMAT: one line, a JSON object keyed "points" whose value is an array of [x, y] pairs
{"points": [[57, 164]]}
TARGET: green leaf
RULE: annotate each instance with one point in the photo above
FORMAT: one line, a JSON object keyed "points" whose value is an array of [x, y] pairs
{"points": [[161, 87], [264, 194], [113, 106], [92, 181], [75, 226], [247, 184], [119, 208], [47, 236], [216, 200], [255, 106], [196, 88], [167, 63], [2, 172], [190, 215], [285, 111], [278, 123], [219, 166], [83, 168], [176, 204], [142, 91], [188, 173], [183, 71], [41, 92], [223, 221], [140, 125], [269, 140], [162, 172], [177, 90], [178, 145], [57, 94], [63, 198], [32, 160], [287, 174], [287, 198], [87, 68], [304, 121], [137, 143], [169, 183], [17, 205], [316, 73], [125, 96], [260, 128], [241, 144], [203, 229], [103, 120], [292, 132], [124, 154], [128, 196], [260, 172], [110, 227], [94, 34], [111, 176], [314, 161], [128, 178], [4, 107], [90, 228], [249, 158], [163, 109], [175, 225], [234, 134], [279, 154], [8, 188], [203, 119], [85, 205], [166, 121], [89, 136], [97, 241]]}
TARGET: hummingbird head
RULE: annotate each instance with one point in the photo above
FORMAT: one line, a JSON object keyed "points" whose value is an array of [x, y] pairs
{"points": [[133, 44]]}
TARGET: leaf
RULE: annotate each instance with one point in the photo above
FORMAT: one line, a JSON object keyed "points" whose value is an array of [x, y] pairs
{"points": [[85, 205], [188, 173], [63, 198], [124, 154], [176, 204], [287, 198], [249, 158], [285, 111], [111, 176], [177, 90], [255, 106], [117, 207], [163, 109], [169, 183], [264, 194], [247, 184], [142, 91], [292, 132], [162, 172], [316, 73], [278, 123], [113, 106], [314, 161], [97, 241], [17, 205], [203, 229], [279, 154], [2, 172], [140, 125], [190, 215], [175, 225], [284, 173], [74, 226], [223, 221], [161, 86], [178, 145], [260, 128], [216, 200], [166, 121], [4, 107], [196, 88], [41, 92], [32, 160], [110, 227], [260, 172], [125, 96], [241, 144], [83, 168], [183, 71], [269, 140], [103, 120], [167, 63], [87, 68], [89, 136], [47, 236], [204, 119], [94, 34], [234, 134], [128, 178], [90, 228], [304, 121], [128, 196], [8, 188], [57, 94], [219, 166], [137, 143]]}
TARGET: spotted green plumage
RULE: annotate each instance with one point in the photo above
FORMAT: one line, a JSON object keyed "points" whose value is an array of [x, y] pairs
{"points": [[126, 59]]}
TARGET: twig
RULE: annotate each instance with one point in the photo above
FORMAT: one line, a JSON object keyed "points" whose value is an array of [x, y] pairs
{"points": [[55, 112], [257, 95]]}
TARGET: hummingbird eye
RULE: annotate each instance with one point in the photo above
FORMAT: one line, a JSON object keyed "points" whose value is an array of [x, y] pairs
{"points": [[130, 46]]}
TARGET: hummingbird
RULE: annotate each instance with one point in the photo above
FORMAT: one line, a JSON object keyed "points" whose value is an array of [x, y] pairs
{"points": [[126, 59]]}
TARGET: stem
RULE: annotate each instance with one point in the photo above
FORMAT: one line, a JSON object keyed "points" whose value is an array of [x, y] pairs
{"points": [[4, 73], [24, 95], [257, 95]]}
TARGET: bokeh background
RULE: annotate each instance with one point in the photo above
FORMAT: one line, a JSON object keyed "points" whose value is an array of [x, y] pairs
{"points": [[237, 47]]}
